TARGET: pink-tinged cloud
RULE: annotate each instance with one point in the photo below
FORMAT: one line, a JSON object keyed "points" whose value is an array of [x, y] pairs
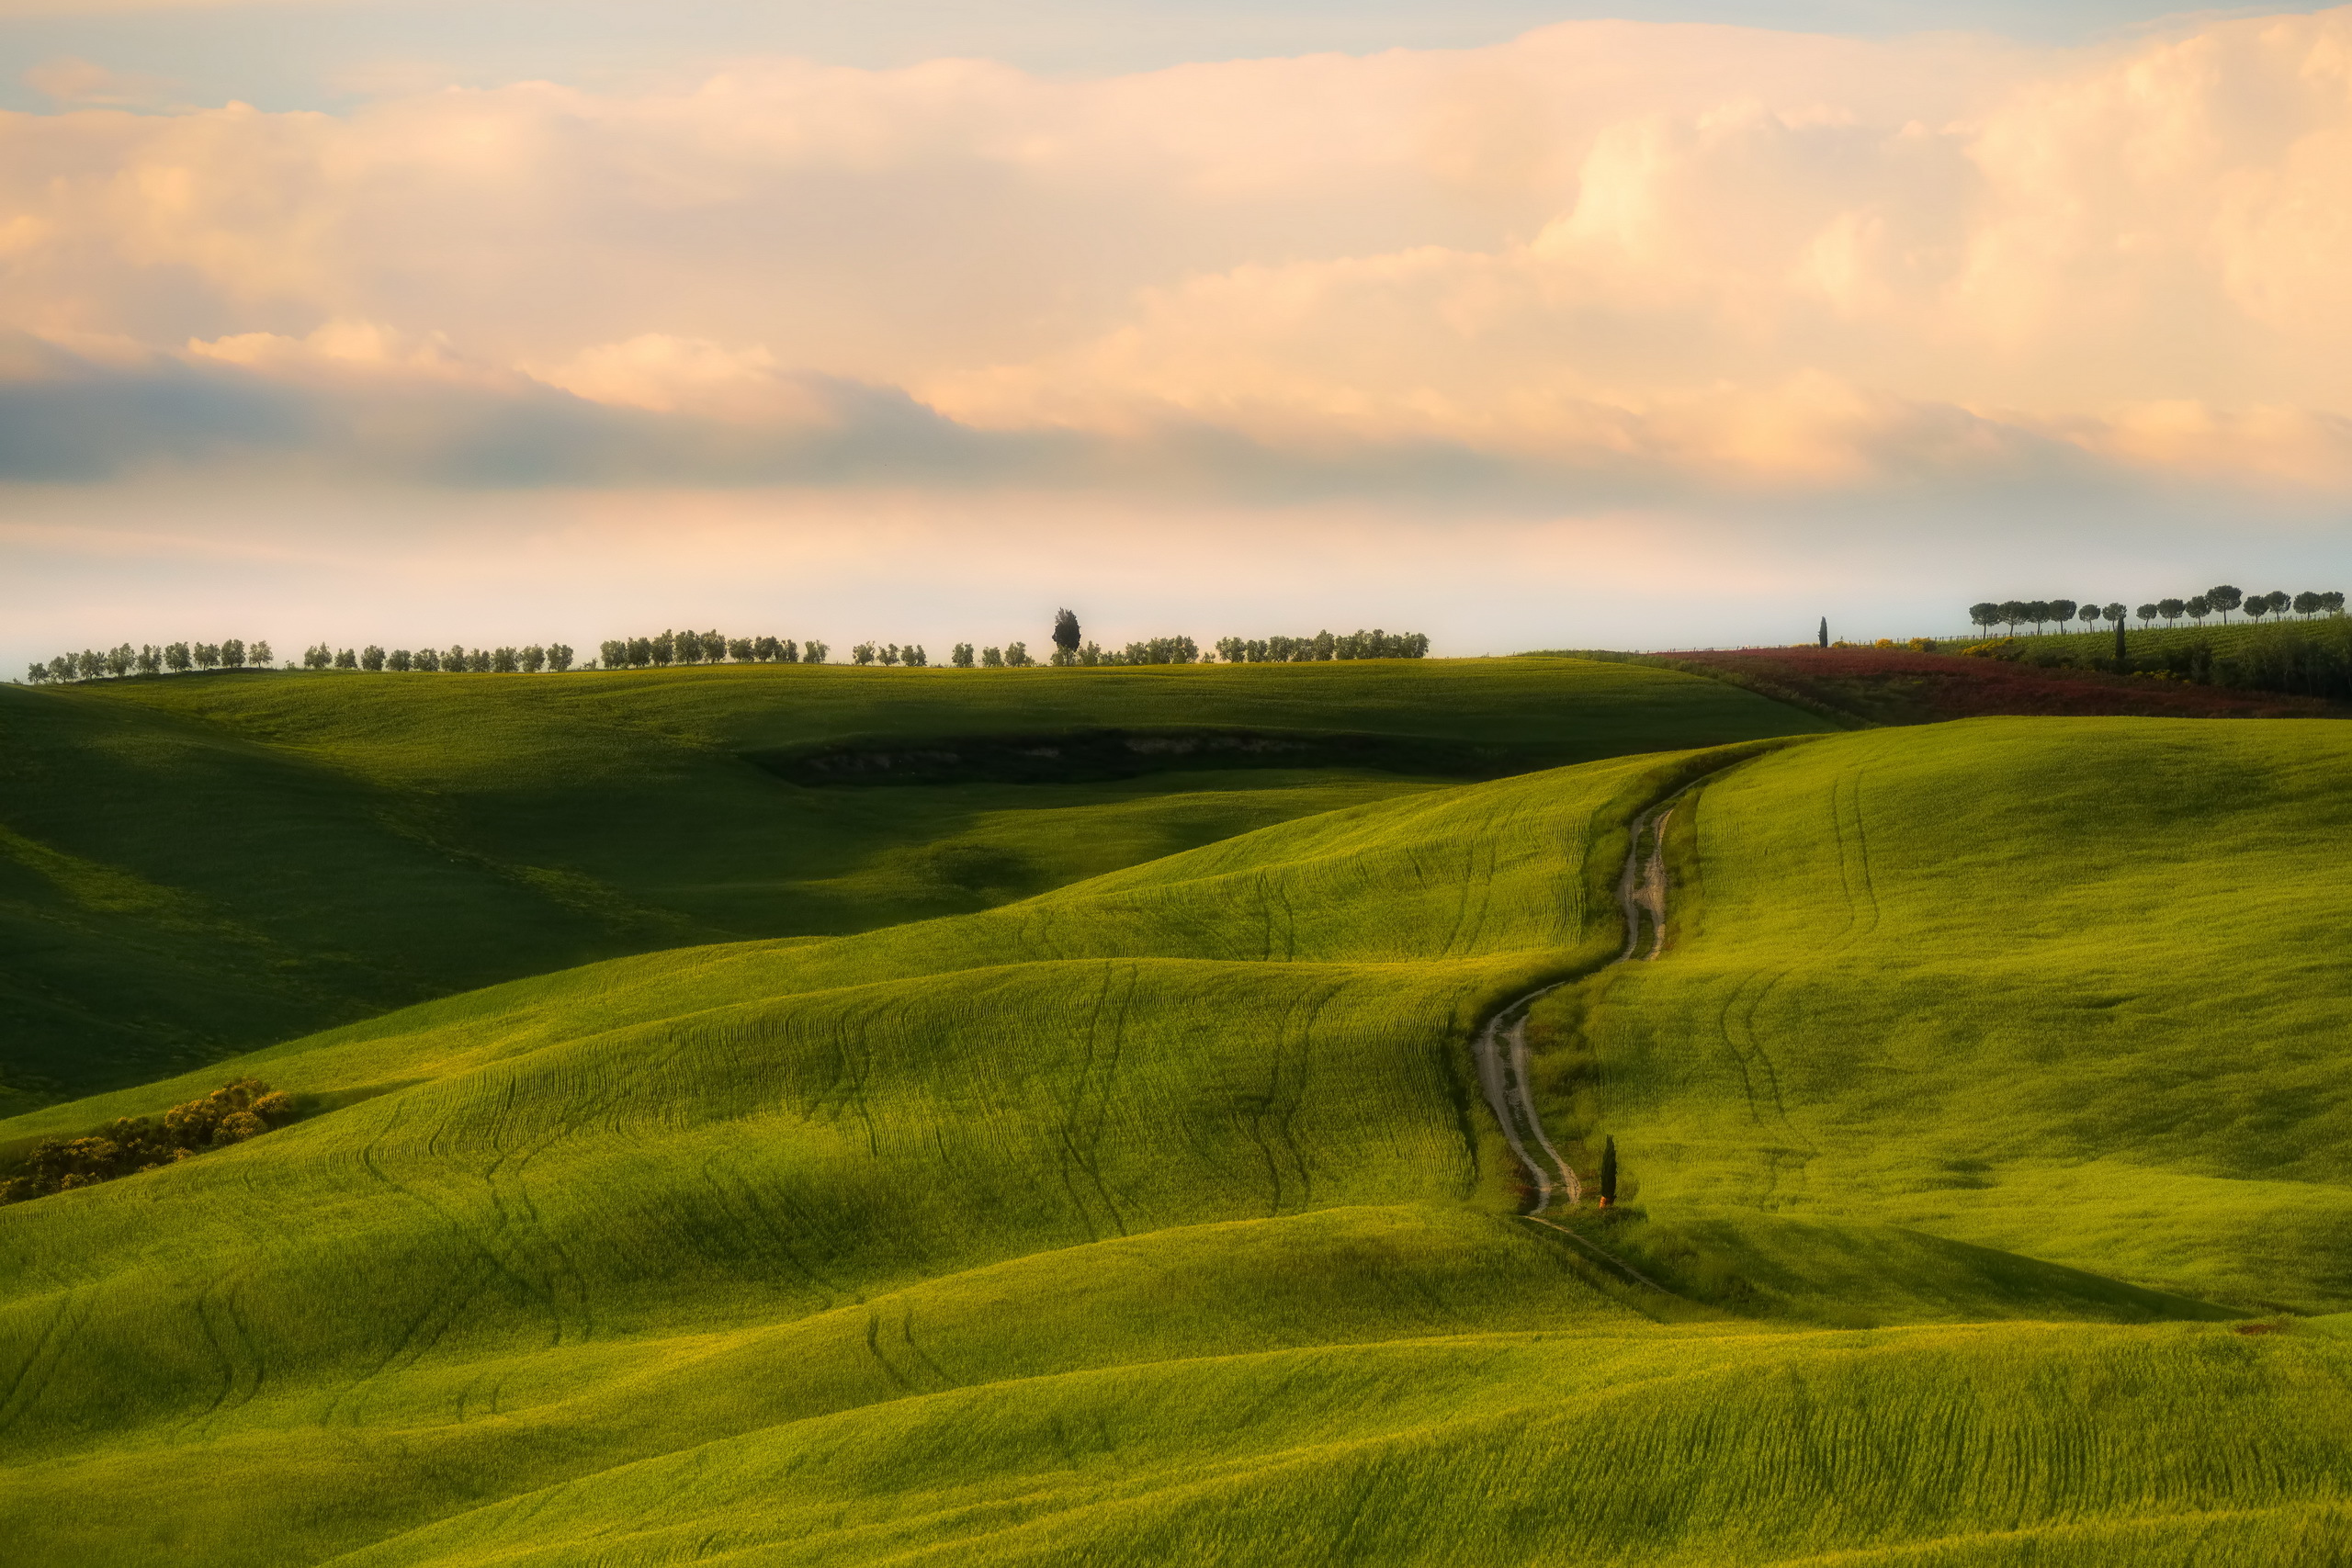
{"points": [[1681, 256]]}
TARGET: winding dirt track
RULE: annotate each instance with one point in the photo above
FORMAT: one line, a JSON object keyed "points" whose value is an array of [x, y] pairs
{"points": [[1501, 1045]]}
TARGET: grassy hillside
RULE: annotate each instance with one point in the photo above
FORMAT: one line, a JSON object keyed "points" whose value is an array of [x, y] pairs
{"points": [[194, 865], [2062, 989], [1154, 1218]]}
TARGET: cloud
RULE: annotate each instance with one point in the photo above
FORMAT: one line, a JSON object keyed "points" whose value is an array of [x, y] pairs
{"points": [[1606, 255], [70, 80], [668, 375]]}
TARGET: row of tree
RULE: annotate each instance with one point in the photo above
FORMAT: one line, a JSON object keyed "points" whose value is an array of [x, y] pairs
{"points": [[2220, 601], [90, 664], [1373, 644], [455, 660], [709, 647], [229, 1114]]}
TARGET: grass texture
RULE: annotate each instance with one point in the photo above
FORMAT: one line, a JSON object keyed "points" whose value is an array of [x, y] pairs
{"points": [[2069, 990], [1155, 1219], [191, 865]]}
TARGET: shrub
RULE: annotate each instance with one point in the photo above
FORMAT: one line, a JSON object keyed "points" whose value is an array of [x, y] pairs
{"points": [[229, 1114]]}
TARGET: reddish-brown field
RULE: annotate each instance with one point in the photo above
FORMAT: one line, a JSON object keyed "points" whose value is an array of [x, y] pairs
{"points": [[1880, 685]]}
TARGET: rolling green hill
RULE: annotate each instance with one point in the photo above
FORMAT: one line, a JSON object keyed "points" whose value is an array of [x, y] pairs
{"points": [[2064, 988], [1157, 1218], [195, 864]]}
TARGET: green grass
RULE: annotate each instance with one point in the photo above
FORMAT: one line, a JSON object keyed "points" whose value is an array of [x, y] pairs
{"points": [[1154, 1218], [2064, 988], [194, 865]]}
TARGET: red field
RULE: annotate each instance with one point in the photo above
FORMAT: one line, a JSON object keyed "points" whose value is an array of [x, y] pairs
{"points": [[1896, 687]]}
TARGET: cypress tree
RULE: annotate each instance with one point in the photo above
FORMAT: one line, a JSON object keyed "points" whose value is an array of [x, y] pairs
{"points": [[1608, 1173], [1824, 631]]}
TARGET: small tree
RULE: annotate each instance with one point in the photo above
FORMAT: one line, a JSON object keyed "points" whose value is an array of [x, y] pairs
{"points": [[916, 658], [2279, 600], [992, 659], [960, 656], [558, 657], [506, 662], [1984, 614], [454, 660], [398, 659], [2256, 608], [2171, 610], [2199, 608], [119, 659], [1822, 636], [1608, 1173], [2224, 598], [2332, 602], [2013, 613], [534, 658], [479, 661], [175, 657], [2063, 610], [814, 653], [613, 652], [232, 653], [371, 657], [863, 653], [2147, 614], [2305, 605], [1066, 638], [664, 649], [151, 659], [260, 656], [346, 659], [1016, 655], [765, 650]]}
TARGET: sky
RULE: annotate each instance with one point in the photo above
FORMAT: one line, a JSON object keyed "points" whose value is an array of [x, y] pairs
{"points": [[1525, 325]]}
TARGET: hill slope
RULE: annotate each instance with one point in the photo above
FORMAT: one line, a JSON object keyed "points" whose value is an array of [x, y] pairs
{"points": [[2068, 989], [1152, 1219], [194, 865]]}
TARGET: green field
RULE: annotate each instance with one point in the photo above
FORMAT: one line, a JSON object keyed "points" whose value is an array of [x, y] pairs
{"points": [[191, 865], [1986, 1094]]}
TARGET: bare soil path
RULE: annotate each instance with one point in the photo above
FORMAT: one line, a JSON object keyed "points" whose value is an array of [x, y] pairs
{"points": [[1502, 1046]]}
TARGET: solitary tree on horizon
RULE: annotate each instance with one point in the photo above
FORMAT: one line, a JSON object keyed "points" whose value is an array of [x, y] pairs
{"points": [[1824, 631]]}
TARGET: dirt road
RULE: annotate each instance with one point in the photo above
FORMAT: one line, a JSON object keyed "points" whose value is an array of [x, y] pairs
{"points": [[1501, 1045]]}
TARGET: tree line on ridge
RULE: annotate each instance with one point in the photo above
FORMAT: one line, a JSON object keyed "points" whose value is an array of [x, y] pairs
{"points": [[2220, 601], [1070, 649]]}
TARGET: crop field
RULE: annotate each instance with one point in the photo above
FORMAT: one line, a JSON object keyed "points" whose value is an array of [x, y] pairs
{"points": [[190, 865], [2064, 990], [1864, 686], [1982, 1131]]}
